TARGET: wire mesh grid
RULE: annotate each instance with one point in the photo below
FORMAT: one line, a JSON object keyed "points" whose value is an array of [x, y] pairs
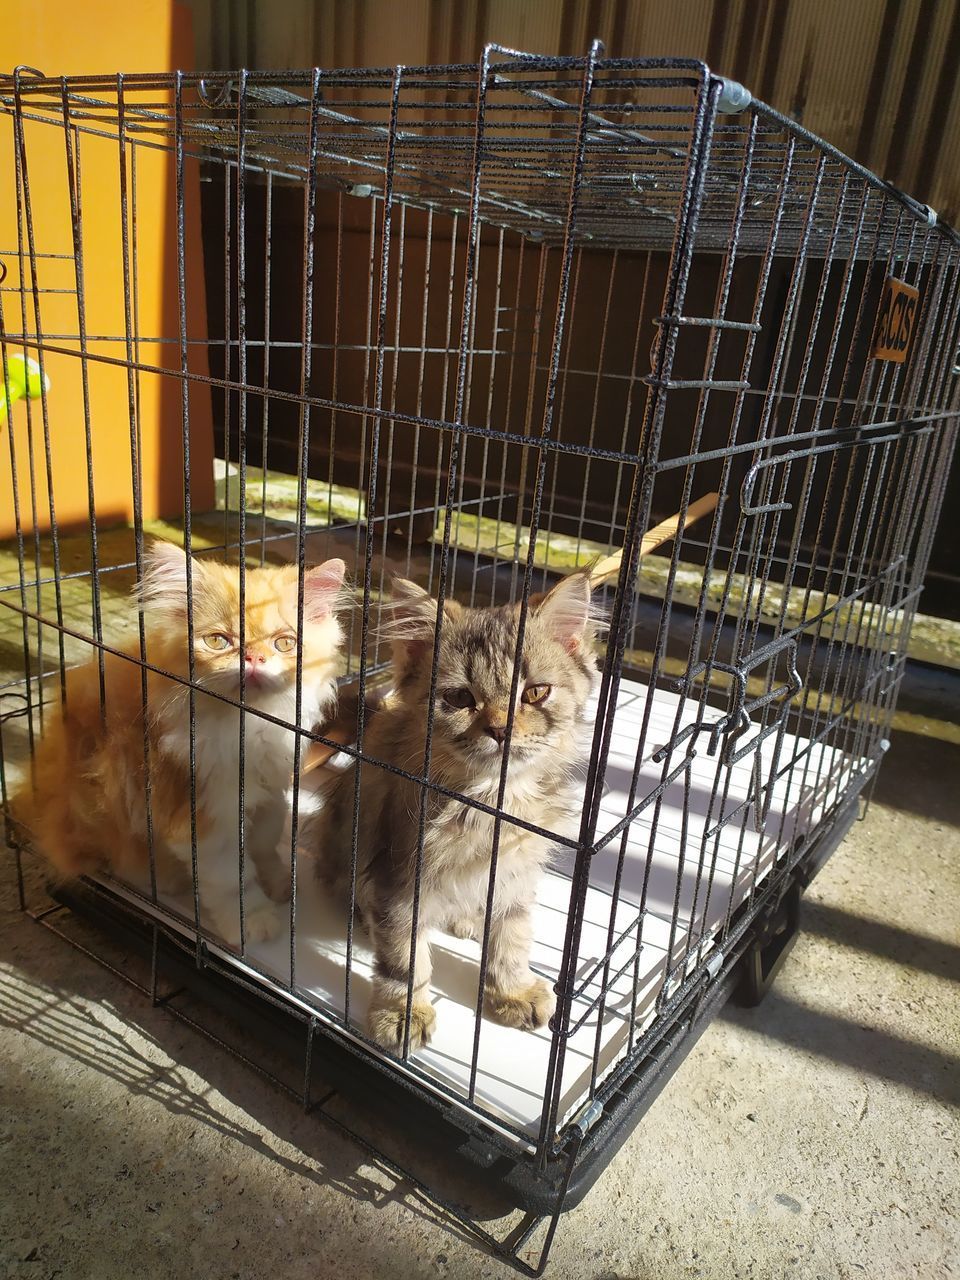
{"points": [[479, 325]]}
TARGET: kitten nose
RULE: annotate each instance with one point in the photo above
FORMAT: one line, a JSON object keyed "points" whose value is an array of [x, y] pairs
{"points": [[253, 658], [497, 732]]}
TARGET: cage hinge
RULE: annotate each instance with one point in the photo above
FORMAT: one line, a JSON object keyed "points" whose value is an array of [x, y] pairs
{"points": [[923, 211], [713, 965], [587, 1117], [733, 96]]}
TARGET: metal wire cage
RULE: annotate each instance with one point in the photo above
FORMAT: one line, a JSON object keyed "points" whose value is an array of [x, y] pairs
{"points": [[480, 325]]}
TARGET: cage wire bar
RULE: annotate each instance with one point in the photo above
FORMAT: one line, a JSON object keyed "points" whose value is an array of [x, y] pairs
{"points": [[425, 296]]}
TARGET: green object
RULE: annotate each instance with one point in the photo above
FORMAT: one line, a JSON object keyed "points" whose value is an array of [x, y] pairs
{"points": [[24, 381]]}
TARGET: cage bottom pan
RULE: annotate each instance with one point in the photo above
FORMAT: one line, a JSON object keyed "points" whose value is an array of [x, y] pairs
{"points": [[690, 863], [446, 1134]]}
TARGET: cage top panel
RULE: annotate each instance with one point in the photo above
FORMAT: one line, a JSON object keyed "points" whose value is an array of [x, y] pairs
{"points": [[620, 153]]}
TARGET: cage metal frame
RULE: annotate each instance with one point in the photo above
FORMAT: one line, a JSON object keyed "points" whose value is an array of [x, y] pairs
{"points": [[723, 175]]}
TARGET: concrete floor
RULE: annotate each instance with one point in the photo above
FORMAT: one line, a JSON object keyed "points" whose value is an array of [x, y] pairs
{"points": [[814, 1137]]}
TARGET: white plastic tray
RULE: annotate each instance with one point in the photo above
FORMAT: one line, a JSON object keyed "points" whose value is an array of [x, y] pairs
{"points": [[687, 899]]}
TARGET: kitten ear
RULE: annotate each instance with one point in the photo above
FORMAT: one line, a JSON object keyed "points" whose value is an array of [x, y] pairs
{"points": [[409, 621], [412, 604], [412, 616], [567, 611], [322, 590], [163, 587], [414, 611]]}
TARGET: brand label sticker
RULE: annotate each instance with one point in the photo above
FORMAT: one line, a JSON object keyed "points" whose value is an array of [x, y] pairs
{"points": [[895, 320]]}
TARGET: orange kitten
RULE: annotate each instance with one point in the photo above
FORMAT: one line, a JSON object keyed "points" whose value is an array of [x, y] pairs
{"points": [[86, 809]]}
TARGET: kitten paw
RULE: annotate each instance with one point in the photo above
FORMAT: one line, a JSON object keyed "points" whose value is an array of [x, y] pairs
{"points": [[528, 1008], [386, 1026], [263, 922], [467, 927]]}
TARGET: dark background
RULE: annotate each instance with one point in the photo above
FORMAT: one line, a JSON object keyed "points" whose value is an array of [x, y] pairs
{"points": [[877, 79]]}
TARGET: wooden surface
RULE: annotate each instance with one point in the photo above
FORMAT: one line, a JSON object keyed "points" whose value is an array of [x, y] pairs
{"points": [[48, 35], [878, 80]]}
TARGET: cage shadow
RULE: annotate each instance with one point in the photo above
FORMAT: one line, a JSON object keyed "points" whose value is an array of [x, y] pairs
{"points": [[49, 1013], [942, 959], [914, 775], [53, 1017], [878, 1053], [117, 1153]]}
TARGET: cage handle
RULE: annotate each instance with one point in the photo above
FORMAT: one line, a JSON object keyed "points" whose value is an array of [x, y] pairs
{"points": [[218, 97], [746, 491]]}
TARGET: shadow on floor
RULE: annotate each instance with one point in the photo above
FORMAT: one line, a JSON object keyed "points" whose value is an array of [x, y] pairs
{"points": [[916, 777], [878, 1053], [53, 1014], [942, 959], [898, 1059], [163, 1232]]}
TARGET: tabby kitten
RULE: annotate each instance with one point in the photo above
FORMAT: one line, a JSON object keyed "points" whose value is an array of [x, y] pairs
{"points": [[85, 805], [477, 648]]}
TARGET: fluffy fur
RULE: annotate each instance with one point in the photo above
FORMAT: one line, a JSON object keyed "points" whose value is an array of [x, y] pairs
{"points": [[85, 805], [477, 647]]}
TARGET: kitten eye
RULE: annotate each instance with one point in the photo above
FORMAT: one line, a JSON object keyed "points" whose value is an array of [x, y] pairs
{"points": [[285, 644], [462, 698], [535, 693], [217, 641]]}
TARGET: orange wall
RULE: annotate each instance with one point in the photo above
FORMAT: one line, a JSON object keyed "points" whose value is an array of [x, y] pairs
{"points": [[152, 36]]}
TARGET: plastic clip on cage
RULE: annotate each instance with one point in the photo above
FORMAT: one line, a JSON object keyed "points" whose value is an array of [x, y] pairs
{"points": [[480, 325]]}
